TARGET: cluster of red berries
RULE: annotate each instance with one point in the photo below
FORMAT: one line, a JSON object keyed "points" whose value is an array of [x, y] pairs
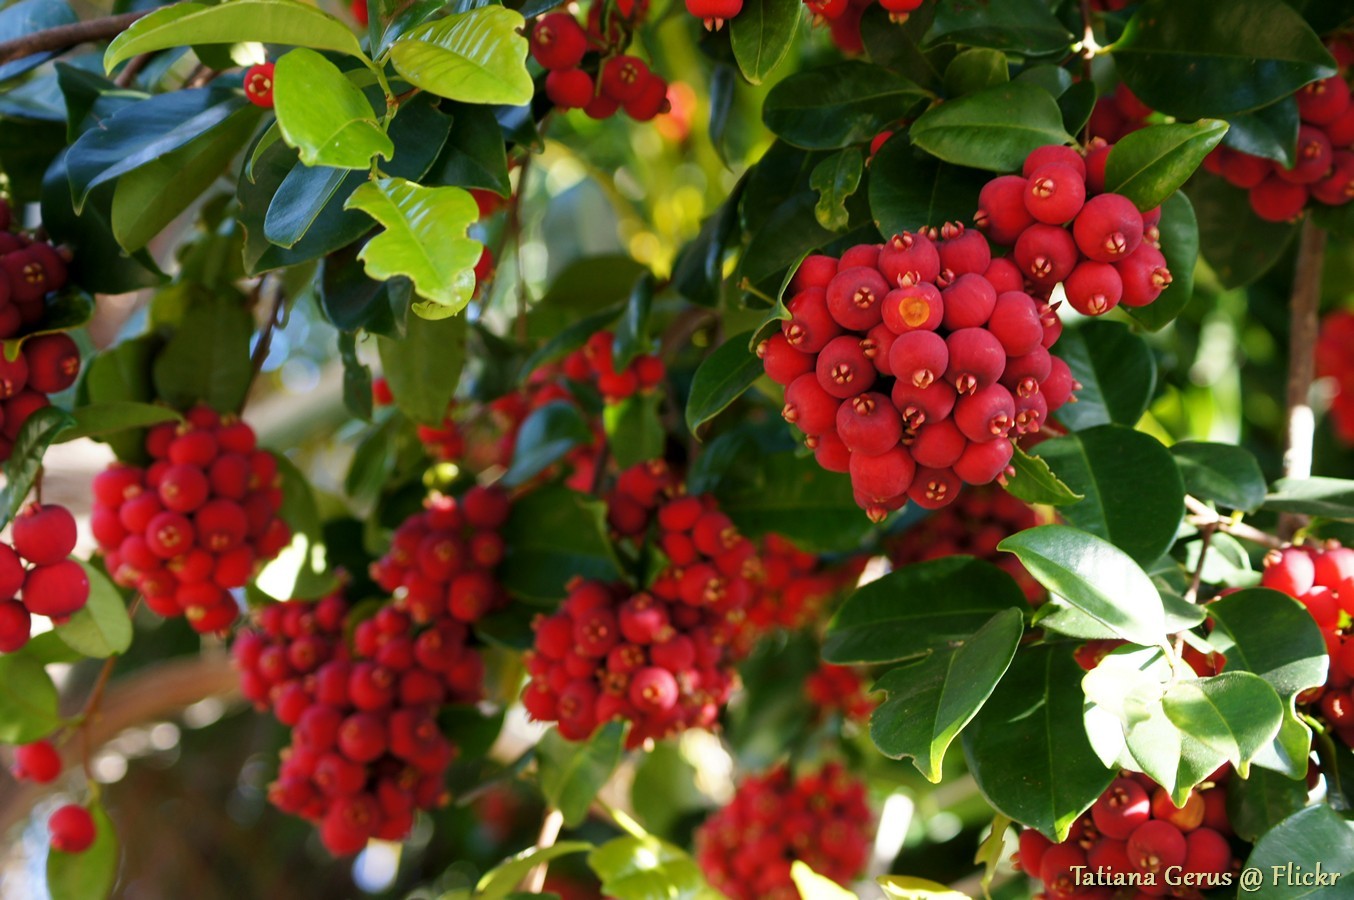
{"points": [[197, 522], [1323, 167], [36, 578], [660, 658], [795, 587], [1335, 360], [1064, 228], [822, 819], [1117, 115], [594, 363], [913, 364], [839, 689], [1133, 834], [622, 82], [366, 751], [258, 82], [1322, 580], [29, 271], [441, 561], [973, 526], [46, 364]]}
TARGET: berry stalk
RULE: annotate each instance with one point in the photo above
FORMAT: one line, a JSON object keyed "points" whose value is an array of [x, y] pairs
{"points": [[1297, 461]]}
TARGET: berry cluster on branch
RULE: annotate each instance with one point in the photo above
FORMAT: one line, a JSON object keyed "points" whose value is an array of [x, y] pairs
{"points": [[36, 578]]}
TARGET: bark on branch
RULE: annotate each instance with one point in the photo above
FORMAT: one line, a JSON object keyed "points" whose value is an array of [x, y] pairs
{"points": [[63, 37]]}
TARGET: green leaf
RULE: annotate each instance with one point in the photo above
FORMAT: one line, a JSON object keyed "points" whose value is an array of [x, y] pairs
{"points": [[477, 56], [1180, 245], [28, 701], [1027, 747], [300, 570], [1233, 56], [1331, 498], [1235, 714], [930, 702], [553, 535], [25, 458], [1134, 496], [1117, 372], [836, 179], [207, 359], [24, 18], [89, 875], [796, 498], [761, 35], [918, 609], [1094, 576], [572, 773], [1270, 132], [634, 429], [474, 155], [1024, 26], [102, 628], [424, 368], [834, 106], [266, 21], [909, 189], [148, 198], [632, 334], [1272, 635], [1238, 244], [546, 437], [1224, 473], [1034, 482], [811, 885], [425, 239], [1148, 165], [993, 129], [907, 887], [646, 868], [1260, 802], [323, 114], [722, 378], [500, 881], [975, 70], [117, 377], [1316, 836]]}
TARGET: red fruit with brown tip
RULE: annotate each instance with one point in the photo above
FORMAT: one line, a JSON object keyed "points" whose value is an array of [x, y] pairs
{"points": [[982, 463], [919, 405], [831, 452], [816, 270], [1290, 571], [13, 374], [1322, 102], [808, 407], [855, 298], [601, 106], [714, 13], [934, 488], [558, 41], [653, 689], [967, 252], [866, 255], [53, 362], [1053, 153], [985, 415], [16, 625], [1094, 288], [1055, 193], [938, 445], [909, 258], [1144, 276], [810, 325], [71, 829], [883, 477], [1108, 228], [1046, 254], [1097, 155], [56, 590], [1033, 845], [1056, 870], [44, 534], [1207, 852], [651, 100], [1243, 170], [1002, 215], [623, 77], [968, 302], [869, 424], [1156, 846], [1312, 161], [1121, 809], [876, 345], [1337, 188], [782, 362], [919, 357], [976, 359], [1015, 323]]}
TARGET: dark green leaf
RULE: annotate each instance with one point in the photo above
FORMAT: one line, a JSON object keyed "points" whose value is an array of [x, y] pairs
{"points": [[1260, 802], [634, 429], [835, 179], [1223, 473], [357, 381], [1024, 26], [1234, 56], [993, 129], [1235, 714], [1315, 837], [553, 535], [899, 47], [1148, 165], [1027, 747], [207, 359], [424, 368], [798, 499], [1332, 498], [103, 419], [118, 375], [931, 701], [22, 19], [38, 432], [632, 336], [474, 155], [833, 106], [1035, 482], [1270, 132], [350, 300], [89, 875], [1076, 105], [546, 437], [975, 70], [1180, 245], [1134, 496], [722, 378], [572, 773], [918, 609], [1239, 245], [1117, 371], [910, 189], [762, 34]]}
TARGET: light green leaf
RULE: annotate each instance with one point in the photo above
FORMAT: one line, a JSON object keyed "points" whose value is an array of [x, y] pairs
{"points": [[424, 239], [475, 57], [28, 708], [102, 628], [324, 116], [906, 887], [89, 875], [813, 886], [572, 773], [502, 879]]}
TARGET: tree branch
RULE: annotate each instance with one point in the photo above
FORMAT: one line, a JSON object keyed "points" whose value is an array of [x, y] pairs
{"points": [[1297, 461], [63, 37]]}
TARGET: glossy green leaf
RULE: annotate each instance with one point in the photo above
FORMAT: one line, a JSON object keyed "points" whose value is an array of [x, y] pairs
{"points": [[102, 419], [102, 628], [1134, 497], [571, 773], [993, 129], [722, 378], [1260, 802], [546, 437], [1024, 26], [1094, 576], [634, 429], [1239, 245], [836, 179], [798, 499], [1331, 498], [424, 368], [975, 70], [474, 155], [647, 868], [761, 35], [267, 21], [1235, 714], [207, 359], [1148, 165], [553, 535], [833, 106], [1027, 747], [424, 239], [1315, 837], [1034, 482], [929, 702], [632, 336], [918, 609], [24, 464], [28, 702], [1223, 473], [1233, 56], [92, 874], [1117, 372], [324, 116], [478, 56], [899, 47], [1270, 132], [909, 189], [502, 880], [1179, 229], [120, 375]]}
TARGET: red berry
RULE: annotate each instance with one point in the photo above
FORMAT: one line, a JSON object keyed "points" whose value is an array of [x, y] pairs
{"points": [[969, 302], [809, 407], [965, 252], [831, 452], [1094, 288], [1277, 200], [623, 77], [653, 689], [869, 424], [1243, 170], [1055, 193], [919, 405], [843, 369], [651, 100], [1121, 809], [1207, 852], [71, 828], [1108, 228], [1002, 215], [918, 307], [976, 359], [982, 463], [44, 534], [1015, 323], [258, 85], [1053, 153], [13, 373], [569, 88], [810, 325], [909, 258], [1312, 161], [38, 762], [783, 362], [53, 362], [919, 357], [1057, 388], [934, 488], [1290, 571], [985, 415], [16, 625], [558, 41], [1144, 276], [938, 445], [184, 488], [854, 298], [815, 271], [1046, 254], [714, 13], [56, 590], [1156, 846], [883, 477]]}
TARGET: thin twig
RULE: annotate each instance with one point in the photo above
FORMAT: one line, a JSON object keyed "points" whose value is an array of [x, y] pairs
{"points": [[1087, 52], [133, 68], [1297, 459], [266, 338], [550, 827], [63, 37], [1202, 515]]}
